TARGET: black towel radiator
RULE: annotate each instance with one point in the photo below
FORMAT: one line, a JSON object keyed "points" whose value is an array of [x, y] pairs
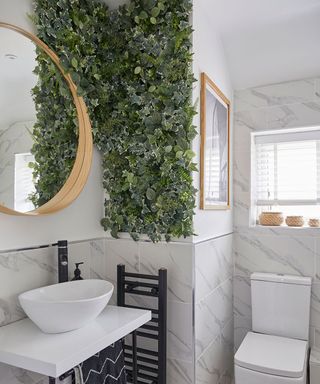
{"points": [[143, 364]]}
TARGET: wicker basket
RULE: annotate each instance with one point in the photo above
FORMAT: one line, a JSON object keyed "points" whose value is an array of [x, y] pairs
{"points": [[271, 218], [295, 221], [314, 223]]}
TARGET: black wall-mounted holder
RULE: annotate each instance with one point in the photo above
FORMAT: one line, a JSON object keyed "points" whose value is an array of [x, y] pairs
{"points": [[143, 364]]}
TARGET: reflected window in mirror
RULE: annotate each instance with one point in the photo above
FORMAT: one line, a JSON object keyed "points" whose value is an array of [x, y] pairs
{"points": [[36, 108], [23, 182]]}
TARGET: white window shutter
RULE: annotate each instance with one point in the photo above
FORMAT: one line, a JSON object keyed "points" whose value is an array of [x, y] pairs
{"points": [[287, 168]]}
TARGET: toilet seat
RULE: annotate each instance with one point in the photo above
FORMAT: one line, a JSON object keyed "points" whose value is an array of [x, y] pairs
{"points": [[273, 355]]}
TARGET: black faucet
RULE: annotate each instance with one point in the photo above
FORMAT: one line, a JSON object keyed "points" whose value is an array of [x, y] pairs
{"points": [[63, 261]]}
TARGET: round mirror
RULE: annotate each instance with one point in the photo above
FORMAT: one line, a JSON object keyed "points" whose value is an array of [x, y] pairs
{"points": [[45, 133]]}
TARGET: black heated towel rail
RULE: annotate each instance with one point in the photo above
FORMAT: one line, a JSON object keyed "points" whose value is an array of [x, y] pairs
{"points": [[146, 352]]}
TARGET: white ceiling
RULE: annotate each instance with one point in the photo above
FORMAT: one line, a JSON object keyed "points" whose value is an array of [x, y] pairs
{"points": [[267, 41]]}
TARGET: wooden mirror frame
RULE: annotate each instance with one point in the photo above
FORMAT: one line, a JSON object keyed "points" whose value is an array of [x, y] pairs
{"points": [[81, 168]]}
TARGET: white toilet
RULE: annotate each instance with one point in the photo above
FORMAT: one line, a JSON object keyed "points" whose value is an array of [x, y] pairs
{"points": [[276, 351]]}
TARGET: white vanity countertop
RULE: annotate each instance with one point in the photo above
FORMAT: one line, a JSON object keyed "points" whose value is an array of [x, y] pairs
{"points": [[23, 345]]}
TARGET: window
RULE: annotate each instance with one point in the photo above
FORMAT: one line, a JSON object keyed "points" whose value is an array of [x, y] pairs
{"points": [[286, 172], [23, 182]]}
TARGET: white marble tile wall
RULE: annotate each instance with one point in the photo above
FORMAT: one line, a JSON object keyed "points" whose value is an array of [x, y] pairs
{"points": [[280, 250], [199, 297], [24, 270], [146, 257], [213, 311]]}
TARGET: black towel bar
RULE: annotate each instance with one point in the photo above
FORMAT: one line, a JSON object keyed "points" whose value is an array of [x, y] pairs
{"points": [[137, 357]]}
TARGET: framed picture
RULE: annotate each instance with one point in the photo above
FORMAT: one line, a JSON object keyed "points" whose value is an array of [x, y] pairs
{"points": [[215, 147]]}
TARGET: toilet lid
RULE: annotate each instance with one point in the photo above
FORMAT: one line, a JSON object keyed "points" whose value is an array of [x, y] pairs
{"points": [[274, 355]]}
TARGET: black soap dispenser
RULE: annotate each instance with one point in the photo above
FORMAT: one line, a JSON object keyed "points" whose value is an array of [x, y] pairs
{"points": [[77, 272]]}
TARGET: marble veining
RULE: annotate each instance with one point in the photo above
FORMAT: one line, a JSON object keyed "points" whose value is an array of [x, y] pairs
{"points": [[212, 314], [276, 94], [180, 372], [263, 249], [213, 311], [287, 254], [292, 116], [31, 269], [180, 340], [97, 259], [177, 258], [13, 375], [210, 367], [241, 308], [213, 265]]}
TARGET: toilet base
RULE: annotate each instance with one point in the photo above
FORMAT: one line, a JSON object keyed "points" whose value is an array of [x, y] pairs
{"points": [[247, 376]]}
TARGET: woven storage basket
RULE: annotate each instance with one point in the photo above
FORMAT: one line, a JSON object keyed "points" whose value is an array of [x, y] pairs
{"points": [[295, 221], [314, 223], [271, 218]]}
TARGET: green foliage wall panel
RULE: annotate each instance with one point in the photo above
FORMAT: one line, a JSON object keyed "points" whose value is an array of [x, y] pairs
{"points": [[54, 133], [133, 67]]}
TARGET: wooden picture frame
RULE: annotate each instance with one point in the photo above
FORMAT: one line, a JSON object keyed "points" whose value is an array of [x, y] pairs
{"points": [[214, 147], [81, 168]]}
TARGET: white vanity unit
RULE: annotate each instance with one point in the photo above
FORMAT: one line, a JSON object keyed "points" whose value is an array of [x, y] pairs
{"points": [[23, 345]]}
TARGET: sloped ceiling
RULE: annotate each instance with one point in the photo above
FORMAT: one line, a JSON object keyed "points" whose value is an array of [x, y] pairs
{"points": [[267, 41]]}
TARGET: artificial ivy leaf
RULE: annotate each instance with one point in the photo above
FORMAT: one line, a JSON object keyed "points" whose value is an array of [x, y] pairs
{"points": [[134, 236], [189, 154], [179, 154], [148, 4], [119, 219], [76, 78], [151, 194], [114, 233], [155, 11], [193, 167], [146, 136], [130, 177], [64, 92], [137, 70], [74, 62], [143, 15]]}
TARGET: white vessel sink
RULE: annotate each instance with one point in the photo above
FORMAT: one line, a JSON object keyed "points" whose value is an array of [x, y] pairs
{"points": [[67, 306]]}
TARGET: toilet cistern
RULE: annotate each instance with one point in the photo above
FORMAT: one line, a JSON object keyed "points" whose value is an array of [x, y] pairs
{"points": [[276, 350]]}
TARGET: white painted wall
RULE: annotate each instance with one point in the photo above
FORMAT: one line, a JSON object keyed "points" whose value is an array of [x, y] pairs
{"points": [[212, 260], [16, 12], [79, 221], [208, 57]]}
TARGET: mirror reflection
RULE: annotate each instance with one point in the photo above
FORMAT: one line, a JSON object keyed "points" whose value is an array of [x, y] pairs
{"points": [[35, 104]]}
